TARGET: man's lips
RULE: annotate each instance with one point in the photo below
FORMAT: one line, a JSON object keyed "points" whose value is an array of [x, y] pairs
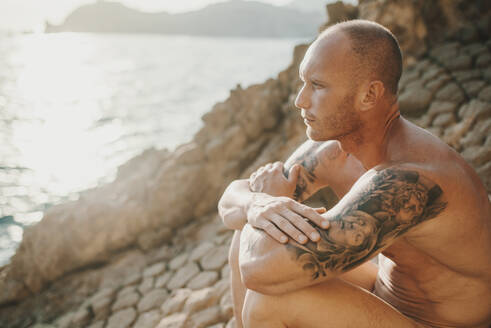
{"points": [[307, 119]]}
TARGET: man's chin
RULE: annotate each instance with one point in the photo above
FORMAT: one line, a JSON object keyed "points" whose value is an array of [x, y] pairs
{"points": [[312, 135]]}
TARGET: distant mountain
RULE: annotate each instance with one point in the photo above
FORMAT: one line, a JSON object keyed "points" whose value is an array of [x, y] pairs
{"points": [[235, 18], [309, 5]]}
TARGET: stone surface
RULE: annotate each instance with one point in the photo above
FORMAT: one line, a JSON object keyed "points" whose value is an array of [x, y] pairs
{"points": [[97, 324], [183, 275], [148, 319], [485, 94], [200, 299], [203, 279], [451, 92], [178, 261], [444, 120], [415, 99], [201, 251], [154, 270], [152, 300], [162, 281], [126, 300], [206, 317], [176, 301], [146, 285], [177, 320], [122, 319], [215, 259]]}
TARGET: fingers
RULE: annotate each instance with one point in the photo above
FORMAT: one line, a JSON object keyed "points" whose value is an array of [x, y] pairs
{"points": [[309, 213], [286, 226], [300, 223], [274, 232], [293, 174]]}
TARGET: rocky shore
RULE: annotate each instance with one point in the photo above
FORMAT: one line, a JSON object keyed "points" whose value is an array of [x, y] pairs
{"points": [[149, 250]]}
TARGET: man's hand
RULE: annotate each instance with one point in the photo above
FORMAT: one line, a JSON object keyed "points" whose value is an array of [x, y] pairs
{"points": [[281, 217], [270, 179]]}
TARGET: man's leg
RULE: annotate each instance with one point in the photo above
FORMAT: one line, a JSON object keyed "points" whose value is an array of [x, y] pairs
{"points": [[335, 303], [363, 276], [237, 287]]}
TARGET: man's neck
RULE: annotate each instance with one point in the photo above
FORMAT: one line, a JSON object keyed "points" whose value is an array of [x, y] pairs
{"points": [[369, 145]]}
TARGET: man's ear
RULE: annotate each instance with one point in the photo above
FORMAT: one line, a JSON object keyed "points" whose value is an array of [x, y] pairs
{"points": [[372, 95]]}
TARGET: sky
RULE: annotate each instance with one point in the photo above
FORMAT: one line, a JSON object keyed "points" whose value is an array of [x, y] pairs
{"points": [[16, 15]]}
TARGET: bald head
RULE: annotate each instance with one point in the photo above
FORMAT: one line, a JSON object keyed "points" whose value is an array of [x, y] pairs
{"points": [[376, 52]]}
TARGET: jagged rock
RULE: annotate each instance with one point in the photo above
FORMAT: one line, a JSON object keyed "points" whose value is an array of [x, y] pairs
{"points": [[472, 88], [218, 325], [476, 136], [415, 99], [64, 321], [463, 76], [146, 285], [484, 173], [126, 300], [152, 300], [98, 324], [459, 62], [152, 238], [200, 299], [201, 250], [215, 259], [485, 94], [477, 155], [451, 92], [434, 85], [203, 279], [122, 319], [154, 270], [178, 261], [444, 120], [231, 323], [206, 317], [177, 320], [227, 306], [126, 290], [162, 281], [148, 320], [132, 279], [176, 301], [432, 73], [100, 307], [441, 107], [477, 109], [81, 317], [483, 60], [474, 49], [183, 275]]}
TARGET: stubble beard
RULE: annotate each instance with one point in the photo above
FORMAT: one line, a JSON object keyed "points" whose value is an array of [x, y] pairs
{"points": [[344, 124]]}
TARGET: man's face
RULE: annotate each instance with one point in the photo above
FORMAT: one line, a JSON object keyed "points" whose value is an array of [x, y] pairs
{"points": [[350, 231], [327, 98]]}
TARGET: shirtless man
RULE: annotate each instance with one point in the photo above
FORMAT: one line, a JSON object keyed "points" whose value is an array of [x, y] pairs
{"points": [[405, 196]]}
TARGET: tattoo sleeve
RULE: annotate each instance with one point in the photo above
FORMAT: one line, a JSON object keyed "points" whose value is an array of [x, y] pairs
{"points": [[309, 162], [393, 201]]}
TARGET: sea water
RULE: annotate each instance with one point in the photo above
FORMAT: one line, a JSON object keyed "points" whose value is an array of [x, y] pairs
{"points": [[75, 106]]}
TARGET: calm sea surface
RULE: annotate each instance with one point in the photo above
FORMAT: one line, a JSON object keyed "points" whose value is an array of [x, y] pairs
{"points": [[75, 106]]}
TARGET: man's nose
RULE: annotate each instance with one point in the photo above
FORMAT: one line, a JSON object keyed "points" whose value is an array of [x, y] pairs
{"points": [[303, 100]]}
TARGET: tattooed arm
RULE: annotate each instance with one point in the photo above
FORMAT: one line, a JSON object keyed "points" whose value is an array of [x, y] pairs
{"points": [[379, 208], [319, 164]]}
